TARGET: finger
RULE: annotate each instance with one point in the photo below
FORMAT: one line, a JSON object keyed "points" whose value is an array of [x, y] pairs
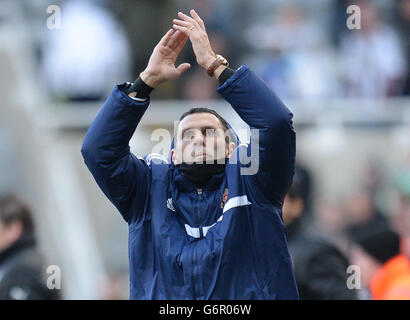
{"points": [[182, 23], [188, 19], [175, 39], [197, 19], [186, 24], [181, 44], [181, 38], [182, 29], [183, 67], [164, 40]]}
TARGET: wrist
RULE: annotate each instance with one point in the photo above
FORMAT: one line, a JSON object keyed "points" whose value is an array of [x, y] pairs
{"points": [[216, 65], [218, 71], [208, 61], [150, 78], [139, 89]]}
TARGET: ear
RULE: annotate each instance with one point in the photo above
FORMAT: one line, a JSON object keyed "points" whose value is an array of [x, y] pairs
{"points": [[230, 149], [174, 156], [14, 231], [298, 206]]}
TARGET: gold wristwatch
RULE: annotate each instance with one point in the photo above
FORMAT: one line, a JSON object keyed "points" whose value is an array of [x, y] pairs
{"points": [[214, 65]]}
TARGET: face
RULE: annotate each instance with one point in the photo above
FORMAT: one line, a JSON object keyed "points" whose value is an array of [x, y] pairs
{"points": [[9, 234], [292, 209], [200, 138]]}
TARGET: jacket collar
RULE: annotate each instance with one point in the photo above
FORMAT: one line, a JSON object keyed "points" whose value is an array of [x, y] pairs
{"points": [[185, 185], [22, 243]]}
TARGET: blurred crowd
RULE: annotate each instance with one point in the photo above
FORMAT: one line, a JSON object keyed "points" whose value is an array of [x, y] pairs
{"points": [[327, 238], [302, 50]]}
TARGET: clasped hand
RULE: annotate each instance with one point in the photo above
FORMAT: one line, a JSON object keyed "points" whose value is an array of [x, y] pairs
{"points": [[161, 65]]}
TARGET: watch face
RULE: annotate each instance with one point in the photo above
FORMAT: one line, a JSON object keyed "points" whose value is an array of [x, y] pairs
{"points": [[224, 61]]}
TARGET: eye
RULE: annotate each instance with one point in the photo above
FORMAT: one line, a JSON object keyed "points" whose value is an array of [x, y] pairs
{"points": [[210, 132], [188, 135]]}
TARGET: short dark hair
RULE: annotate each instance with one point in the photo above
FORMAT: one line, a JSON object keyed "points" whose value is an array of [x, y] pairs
{"points": [[231, 135], [380, 242], [13, 209], [301, 184]]}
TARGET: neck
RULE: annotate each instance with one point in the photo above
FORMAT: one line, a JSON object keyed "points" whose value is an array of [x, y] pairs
{"points": [[200, 173]]}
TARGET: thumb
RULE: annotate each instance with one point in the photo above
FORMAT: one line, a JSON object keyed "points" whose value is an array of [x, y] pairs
{"points": [[183, 67]]}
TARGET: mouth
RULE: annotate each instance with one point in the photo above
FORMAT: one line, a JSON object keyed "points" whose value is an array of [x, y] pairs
{"points": [[202, 157]]}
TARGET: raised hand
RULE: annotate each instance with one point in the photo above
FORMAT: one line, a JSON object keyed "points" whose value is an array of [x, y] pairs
{"points": [[161, 65], [194, 28]]}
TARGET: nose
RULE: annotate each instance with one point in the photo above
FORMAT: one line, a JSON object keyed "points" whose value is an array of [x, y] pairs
{"points": [[199, 139]]}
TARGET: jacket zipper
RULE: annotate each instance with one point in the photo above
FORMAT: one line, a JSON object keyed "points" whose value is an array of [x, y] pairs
{"points": [[196, 271], [198, 211]]}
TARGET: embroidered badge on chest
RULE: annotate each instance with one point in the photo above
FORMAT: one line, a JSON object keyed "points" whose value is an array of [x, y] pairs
{"points": [[224, 197], [170, 206]]}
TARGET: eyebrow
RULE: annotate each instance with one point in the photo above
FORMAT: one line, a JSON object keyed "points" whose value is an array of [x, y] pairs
{"points": [[201, 128]]}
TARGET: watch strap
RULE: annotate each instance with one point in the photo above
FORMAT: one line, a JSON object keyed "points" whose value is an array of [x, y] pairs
{"points": [[214, 65]]}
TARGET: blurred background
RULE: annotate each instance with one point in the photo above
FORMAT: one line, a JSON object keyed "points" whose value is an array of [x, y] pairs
{"points": [[348, 89]]}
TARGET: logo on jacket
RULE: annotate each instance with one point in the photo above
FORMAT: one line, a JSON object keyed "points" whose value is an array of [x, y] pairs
{"points": [[224, 198], [170, 206]]}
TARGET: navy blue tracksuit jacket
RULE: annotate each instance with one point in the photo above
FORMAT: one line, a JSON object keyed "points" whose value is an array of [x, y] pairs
{"points": [[223, 241]]}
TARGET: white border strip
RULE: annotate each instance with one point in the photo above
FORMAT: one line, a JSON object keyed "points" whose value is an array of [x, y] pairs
{"points": [[193, 232], [232, 203], [236, 202]]}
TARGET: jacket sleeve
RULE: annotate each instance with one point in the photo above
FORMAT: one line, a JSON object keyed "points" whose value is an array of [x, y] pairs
{"points": [[262, 110], [122, 177]]}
